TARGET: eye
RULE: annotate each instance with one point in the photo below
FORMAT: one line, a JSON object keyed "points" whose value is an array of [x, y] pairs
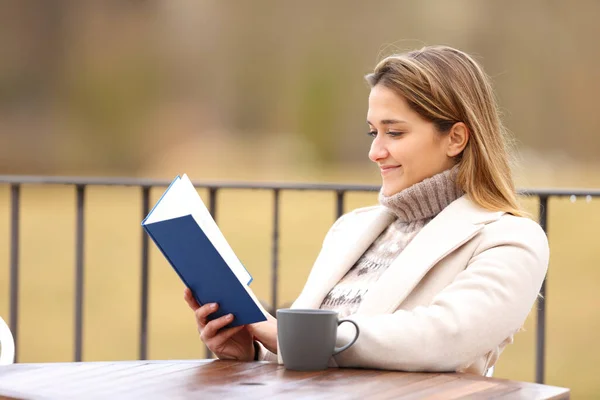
{"points": [[395, 134], [372, 133]]}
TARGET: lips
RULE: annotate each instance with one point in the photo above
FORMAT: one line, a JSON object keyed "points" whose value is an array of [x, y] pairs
{"points": [[388, 168]]}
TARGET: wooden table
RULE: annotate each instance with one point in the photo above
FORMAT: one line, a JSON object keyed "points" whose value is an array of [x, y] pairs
{"points": [[208, 379]]}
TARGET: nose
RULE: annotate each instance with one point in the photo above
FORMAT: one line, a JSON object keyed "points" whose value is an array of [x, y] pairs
{"points": [[378, 151]]}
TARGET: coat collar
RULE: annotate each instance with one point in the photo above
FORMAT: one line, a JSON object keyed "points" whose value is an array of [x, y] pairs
{"points": [[455, 225]]}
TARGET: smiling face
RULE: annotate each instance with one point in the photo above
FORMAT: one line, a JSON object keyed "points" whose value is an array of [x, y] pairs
{"points": [[406, 147]]}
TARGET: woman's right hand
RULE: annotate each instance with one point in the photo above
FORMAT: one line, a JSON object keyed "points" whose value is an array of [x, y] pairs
{"points": [[227, 344]]}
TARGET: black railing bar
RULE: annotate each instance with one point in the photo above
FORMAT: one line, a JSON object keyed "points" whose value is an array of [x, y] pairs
{"points": [[559, 192], [275, 252], [14, 264], [540, 342], [90, 181], [79, 271], [144, 292], [339, 204], [212, 202]]}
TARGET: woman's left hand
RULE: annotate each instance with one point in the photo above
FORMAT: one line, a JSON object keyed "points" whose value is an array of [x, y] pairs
{"points": [[265, 332]]}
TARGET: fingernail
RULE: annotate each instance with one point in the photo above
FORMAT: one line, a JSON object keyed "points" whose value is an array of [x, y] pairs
{"points": [[213, 306], [229, 316]]}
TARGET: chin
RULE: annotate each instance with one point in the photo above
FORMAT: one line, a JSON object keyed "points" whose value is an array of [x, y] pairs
{"points": [[390, 190]]}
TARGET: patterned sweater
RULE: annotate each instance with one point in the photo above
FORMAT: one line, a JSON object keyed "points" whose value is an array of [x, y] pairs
{"points": [[414, 208]]}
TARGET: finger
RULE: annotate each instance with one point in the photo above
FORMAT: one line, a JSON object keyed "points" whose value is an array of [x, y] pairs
{"points": [[203, 312], [225, 334], [190, 300], [211, 329]]}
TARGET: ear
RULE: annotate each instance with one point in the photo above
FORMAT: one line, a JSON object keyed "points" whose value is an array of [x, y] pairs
{"points": [[458, 137]]}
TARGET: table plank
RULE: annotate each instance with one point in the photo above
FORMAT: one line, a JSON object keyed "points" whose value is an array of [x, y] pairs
{"points": [[248, 380], [433, 381], [456, 389], [497, 392], [322, 384], [524, 390]]}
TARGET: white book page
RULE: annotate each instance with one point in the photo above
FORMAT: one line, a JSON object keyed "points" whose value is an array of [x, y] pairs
{"points": [[170, 205]]}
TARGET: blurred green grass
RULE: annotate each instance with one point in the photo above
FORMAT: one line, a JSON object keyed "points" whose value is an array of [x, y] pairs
{"points": [[112, 276]]}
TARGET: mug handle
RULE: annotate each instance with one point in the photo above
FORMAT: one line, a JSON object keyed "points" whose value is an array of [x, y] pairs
{"points": [[338, 350]]}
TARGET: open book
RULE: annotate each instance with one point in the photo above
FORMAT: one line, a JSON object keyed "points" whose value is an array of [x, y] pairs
{"points": [[183, 229]]}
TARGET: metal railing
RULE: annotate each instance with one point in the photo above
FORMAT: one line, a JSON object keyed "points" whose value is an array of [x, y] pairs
{"points": [[145, 185]]}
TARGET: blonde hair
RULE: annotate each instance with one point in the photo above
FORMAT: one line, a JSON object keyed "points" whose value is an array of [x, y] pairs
{"points": [[446, 86]]}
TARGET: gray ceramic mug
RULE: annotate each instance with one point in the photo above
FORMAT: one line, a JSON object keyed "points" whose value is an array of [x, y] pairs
{"points": [[306, 338]]}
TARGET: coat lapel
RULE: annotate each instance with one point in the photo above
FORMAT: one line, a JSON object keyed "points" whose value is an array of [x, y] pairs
{"points": [[453, 227]]}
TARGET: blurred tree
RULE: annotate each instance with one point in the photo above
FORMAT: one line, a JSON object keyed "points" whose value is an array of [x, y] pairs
{"points": [[317, 113]]}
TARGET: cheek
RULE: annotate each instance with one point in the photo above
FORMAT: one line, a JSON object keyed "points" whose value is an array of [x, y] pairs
{"points": [[409, 151], [401, 152], [420, 158]]}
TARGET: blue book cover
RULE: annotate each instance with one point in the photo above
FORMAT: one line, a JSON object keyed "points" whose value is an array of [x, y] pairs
{"points": [[185, 233]]}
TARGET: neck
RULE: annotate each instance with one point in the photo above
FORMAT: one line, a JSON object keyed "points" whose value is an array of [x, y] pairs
{"points": [[425, 199]]}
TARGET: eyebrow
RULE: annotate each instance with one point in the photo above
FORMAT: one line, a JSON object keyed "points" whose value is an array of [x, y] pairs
{"points": [[389, 122]]}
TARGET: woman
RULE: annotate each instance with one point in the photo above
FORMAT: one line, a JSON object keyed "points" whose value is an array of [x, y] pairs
{"points": [[444, 271]]}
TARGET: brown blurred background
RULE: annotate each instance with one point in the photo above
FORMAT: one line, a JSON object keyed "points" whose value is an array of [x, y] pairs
{"points": [[128, 87], [268, 90]]}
